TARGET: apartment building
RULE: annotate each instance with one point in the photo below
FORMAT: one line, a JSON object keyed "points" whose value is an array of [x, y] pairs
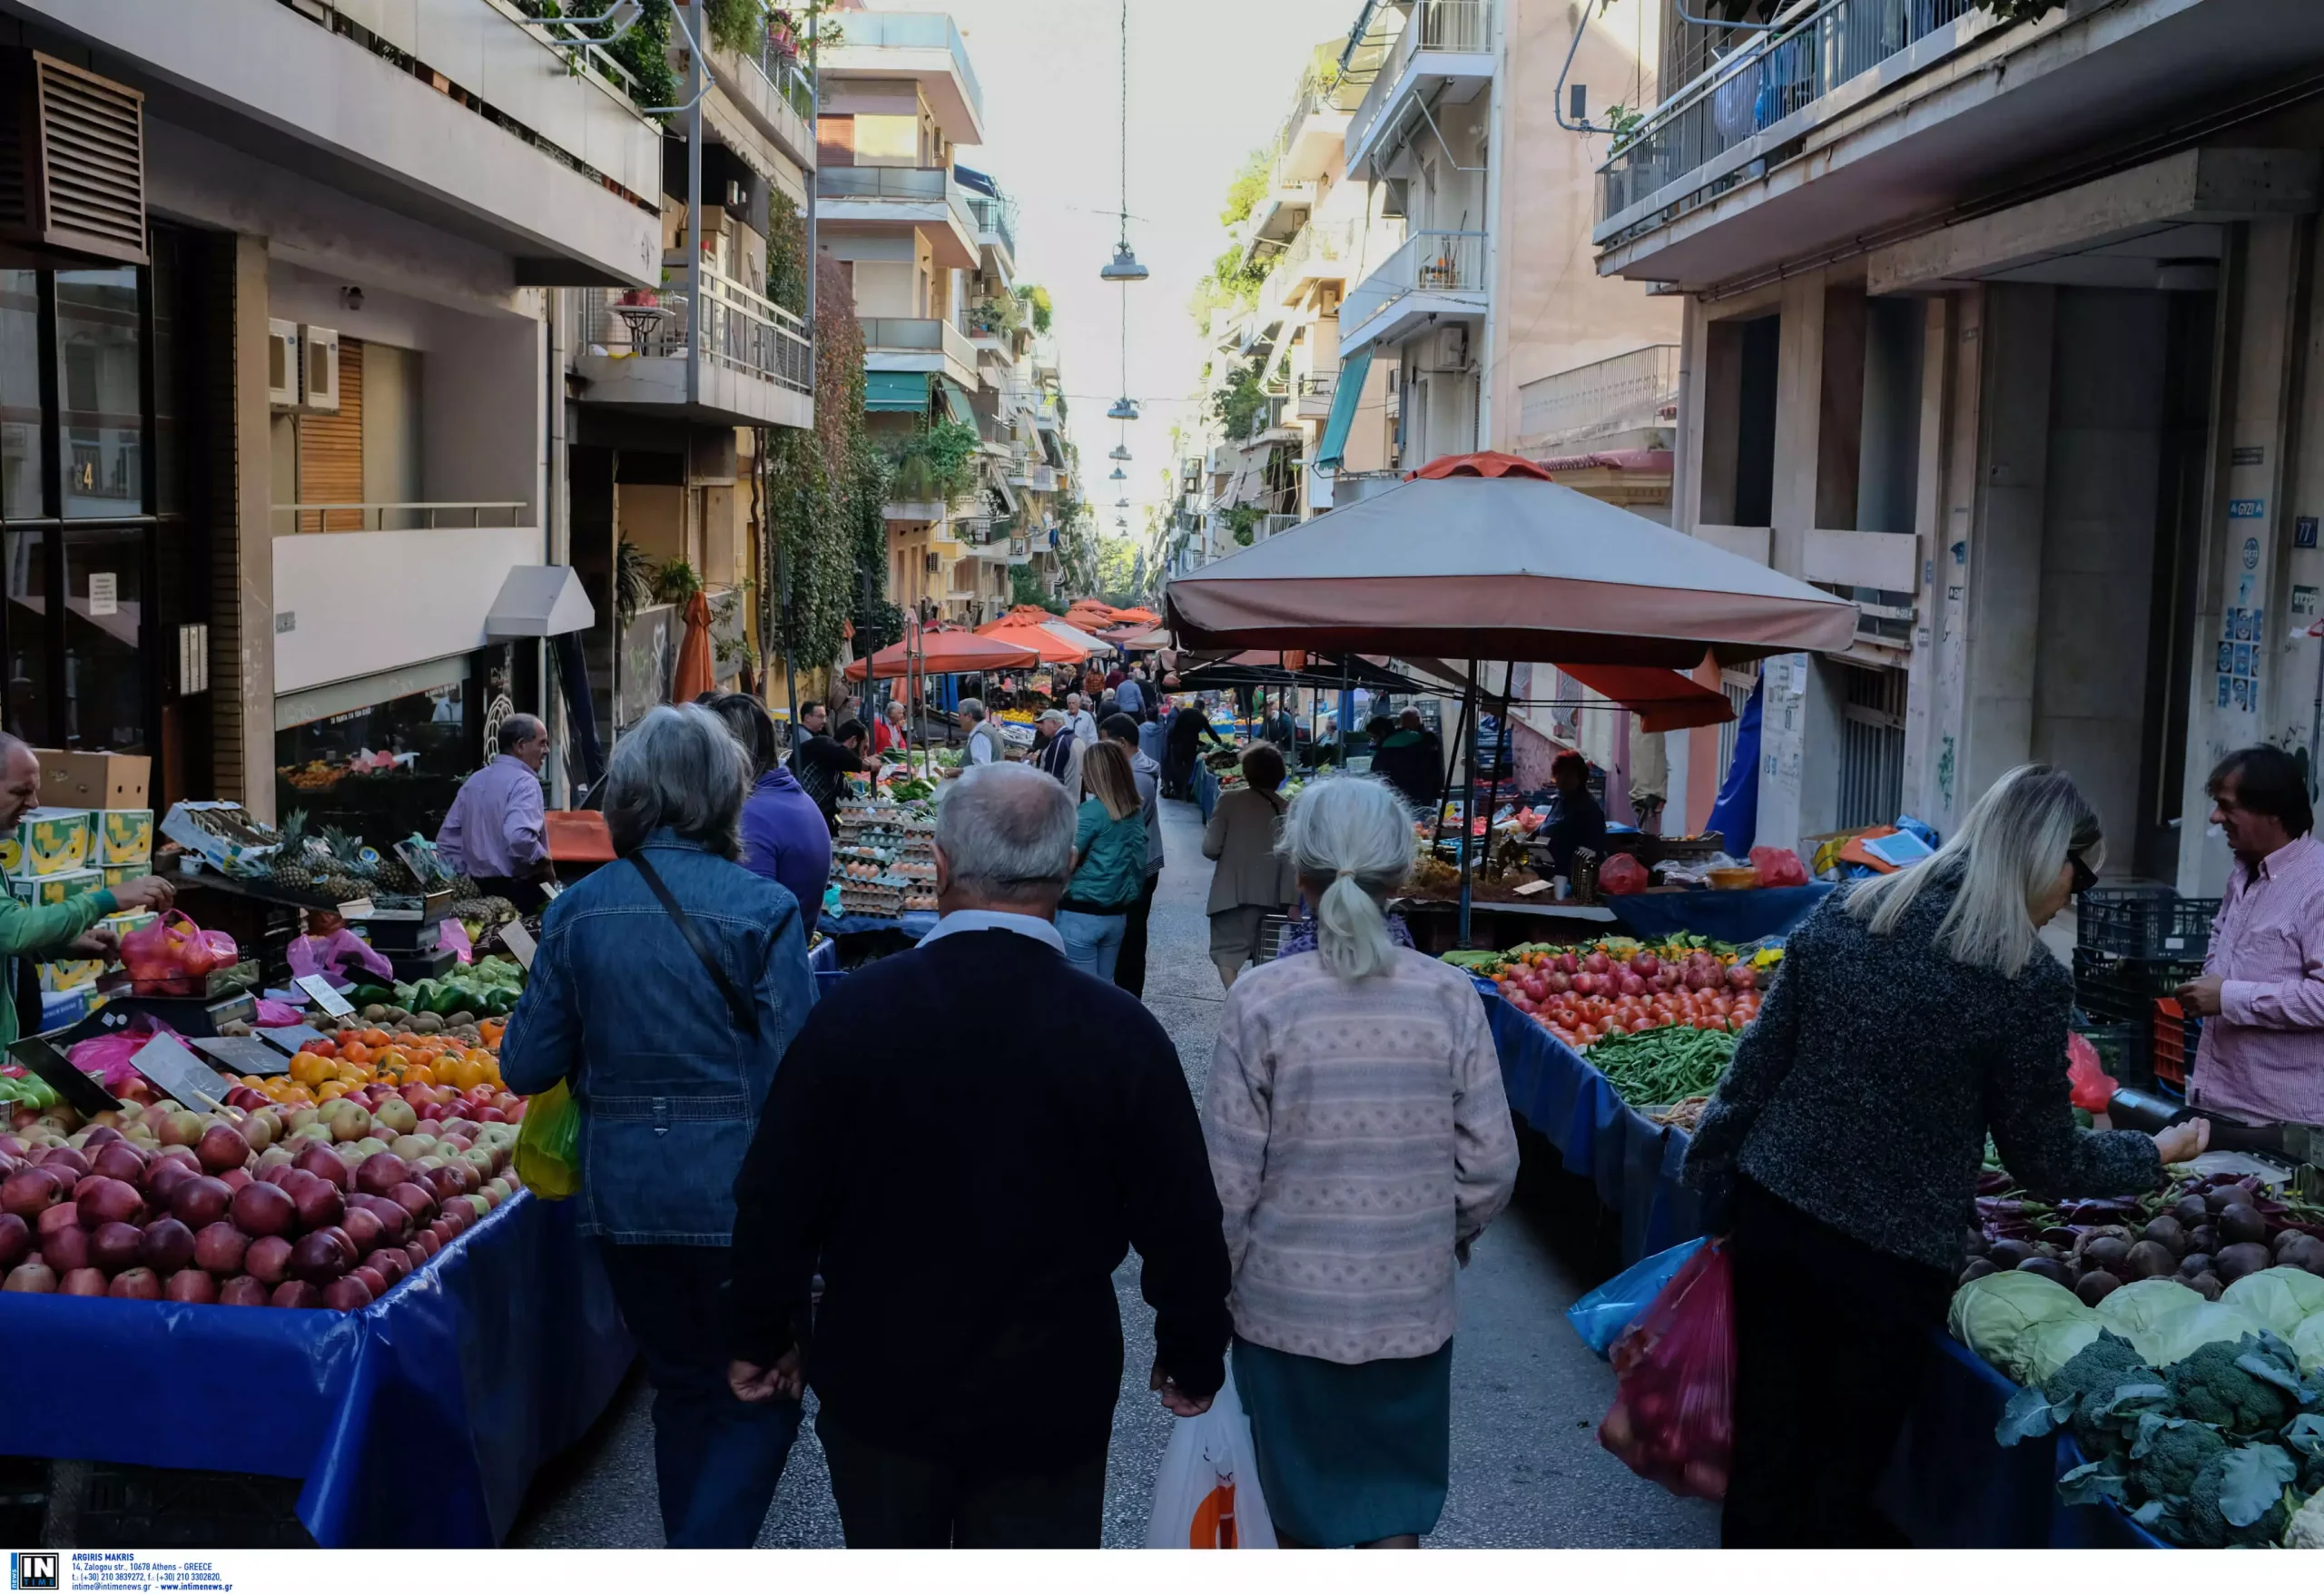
{"points": [[276, 458], [2002, 330]]}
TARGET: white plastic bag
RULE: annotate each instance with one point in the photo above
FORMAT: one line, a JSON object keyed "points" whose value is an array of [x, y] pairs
{"points": [[1206, 1493]]}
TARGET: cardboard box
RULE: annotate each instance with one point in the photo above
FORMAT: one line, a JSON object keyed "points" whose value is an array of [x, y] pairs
{"points": [[46, 842], [115, 875], [71, 975], [46, 890], [128, 920], [93, 781], [121, 836]]}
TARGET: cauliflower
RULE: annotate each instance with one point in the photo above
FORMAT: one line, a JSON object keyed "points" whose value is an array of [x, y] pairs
{"points": [[2208, 1387], [2307, 1529]]}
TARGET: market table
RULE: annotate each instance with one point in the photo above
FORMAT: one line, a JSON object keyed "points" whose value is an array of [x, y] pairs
{"points": [[418, 1420], [1723, 916], [1205, 791]]}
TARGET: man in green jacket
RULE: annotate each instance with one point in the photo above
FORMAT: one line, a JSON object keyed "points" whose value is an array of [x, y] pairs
{"points": [[61, 930]]}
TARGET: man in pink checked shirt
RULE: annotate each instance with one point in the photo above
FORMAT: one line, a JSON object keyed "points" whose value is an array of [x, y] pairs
{"points": [[2261, 992]]}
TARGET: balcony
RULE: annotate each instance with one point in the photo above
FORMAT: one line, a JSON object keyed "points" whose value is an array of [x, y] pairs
{"points": [[1316, 128], [775, 95], [919, 343], [745, 362], [927, 199], [1313, 397], [1627, 393], [996, 229], [1432, 274], [1443, 56], [921, 45]]}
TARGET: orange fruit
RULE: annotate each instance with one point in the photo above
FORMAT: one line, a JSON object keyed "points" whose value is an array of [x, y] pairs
{"points": [[420, 1074]]}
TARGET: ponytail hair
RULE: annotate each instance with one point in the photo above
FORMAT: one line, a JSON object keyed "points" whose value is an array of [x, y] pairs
{"points": [[1350, 842]]}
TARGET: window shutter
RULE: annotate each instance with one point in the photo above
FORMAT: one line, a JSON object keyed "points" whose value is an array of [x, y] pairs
{"points": [[71, 162]]}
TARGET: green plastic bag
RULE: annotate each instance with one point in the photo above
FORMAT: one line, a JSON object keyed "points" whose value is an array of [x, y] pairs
{"points": [[548, 1145]]}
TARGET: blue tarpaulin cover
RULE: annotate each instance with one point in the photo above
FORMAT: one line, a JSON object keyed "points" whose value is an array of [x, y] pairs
{"points": [[1724, 916], [417, 1421], [1735, 815]]}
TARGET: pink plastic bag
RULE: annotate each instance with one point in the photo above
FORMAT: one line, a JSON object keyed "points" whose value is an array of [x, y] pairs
{"points": [[1621, 874], [453, 934], [108, 1056], [174, 957], [1779, 866], [338, 957], [1673, 1418], [2093, 1088]]}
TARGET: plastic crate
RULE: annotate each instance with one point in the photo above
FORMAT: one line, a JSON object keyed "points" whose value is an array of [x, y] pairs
{"points": [[1271, 930], [2122, 1048], [2145, 922], [2176, 1036], [114, 1506], [2121, 990]]}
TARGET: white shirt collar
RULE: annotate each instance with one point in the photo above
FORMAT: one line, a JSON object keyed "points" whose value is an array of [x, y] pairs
{"points": [[964, 919]]}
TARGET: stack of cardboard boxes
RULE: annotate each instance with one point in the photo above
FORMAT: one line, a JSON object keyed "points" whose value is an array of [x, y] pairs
{"points": [[94, 828]]}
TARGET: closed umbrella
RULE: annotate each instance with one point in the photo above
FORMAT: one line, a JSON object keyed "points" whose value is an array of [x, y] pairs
{"points": [[694, 674]]}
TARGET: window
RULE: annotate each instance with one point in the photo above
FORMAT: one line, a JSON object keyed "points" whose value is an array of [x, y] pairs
{"points": [[887, 141], [1872, 747]]}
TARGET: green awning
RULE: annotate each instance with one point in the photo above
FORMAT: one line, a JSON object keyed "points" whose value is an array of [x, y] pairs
{"points": [[895, 391], [957, 401], [1344, 395]]}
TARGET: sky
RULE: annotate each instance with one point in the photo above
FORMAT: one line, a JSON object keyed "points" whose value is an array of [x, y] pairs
{"points": [[1209, 80]]}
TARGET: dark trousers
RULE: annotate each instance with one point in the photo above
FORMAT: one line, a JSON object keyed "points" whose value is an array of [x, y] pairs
{"points": [[523, 894], [1829, 1338], [890, 1501], [716, 1459], [1129, 964]]}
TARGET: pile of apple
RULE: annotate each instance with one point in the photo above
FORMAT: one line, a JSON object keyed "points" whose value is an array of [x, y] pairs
{"points": [[330, 1207]]}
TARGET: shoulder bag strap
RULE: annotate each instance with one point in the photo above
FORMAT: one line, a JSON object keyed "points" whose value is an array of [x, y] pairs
{"points": [[745, 1013]]}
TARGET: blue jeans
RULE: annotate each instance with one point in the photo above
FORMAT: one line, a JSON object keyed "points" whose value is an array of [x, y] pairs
{"points": [[716, 1459], [1092, 942]]}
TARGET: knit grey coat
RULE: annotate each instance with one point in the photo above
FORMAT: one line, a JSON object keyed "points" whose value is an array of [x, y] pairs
{"points": [[1863, 1094]]}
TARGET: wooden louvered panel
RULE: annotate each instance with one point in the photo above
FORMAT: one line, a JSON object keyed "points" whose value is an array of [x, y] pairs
{"points": [[92, 168], [331, 450]]}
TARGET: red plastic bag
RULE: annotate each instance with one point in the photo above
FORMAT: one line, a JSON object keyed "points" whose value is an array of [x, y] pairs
{"points": [[2093, 1088], [1673, 1418], [172, 957], [1779, 866], [1620, 875]]}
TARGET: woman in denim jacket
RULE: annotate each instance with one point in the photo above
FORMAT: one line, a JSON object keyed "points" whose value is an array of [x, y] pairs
{"points": [[622, 1008]]}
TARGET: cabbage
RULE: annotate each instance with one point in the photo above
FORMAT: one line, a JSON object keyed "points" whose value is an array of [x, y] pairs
{"points": [[2045, 1348], [2280, 1299], [2139, 1307], [2184, 1334], [1995, 1316], [2308, 1345]]}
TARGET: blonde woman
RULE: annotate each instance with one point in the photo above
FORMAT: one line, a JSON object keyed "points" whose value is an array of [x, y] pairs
{"points": [[1108, 861], [1360, 1141], [1915, 1015]]}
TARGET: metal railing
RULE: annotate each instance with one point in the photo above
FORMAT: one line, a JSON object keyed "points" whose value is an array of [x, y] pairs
{"points": [[1270, 524], [414, 516], [782, 66], [1436, 26], [1615, 395], [995, 217], [738, 329], [924, 185], [1820, 45], [1343, 94], [910, 30], [992, 318], [918, 335], [1426, 263]]}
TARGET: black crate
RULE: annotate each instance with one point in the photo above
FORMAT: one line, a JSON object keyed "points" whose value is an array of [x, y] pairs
{"points": [[2122, 990], [2124, 1049], [173, 1509], [2145, 922]]}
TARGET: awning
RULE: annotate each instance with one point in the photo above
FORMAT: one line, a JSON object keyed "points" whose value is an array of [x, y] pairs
{"points": [[1345, 394], [540, 601], [896, 391], [956, 400]]}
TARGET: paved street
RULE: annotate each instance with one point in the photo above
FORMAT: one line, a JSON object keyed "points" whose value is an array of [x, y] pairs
{"points": [[1527, 1469]]}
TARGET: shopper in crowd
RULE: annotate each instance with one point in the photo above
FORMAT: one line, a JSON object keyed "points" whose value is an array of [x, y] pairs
{"points": [[1093, 682], [813, 717], [496, 831], [1912, 1016], [1410, 758], [1108, 861], [1129, 967], [1078, 716], [1575, 818], [1115, 676], [823, 763], [967, 1186], [1053, 742], [669, 1088], [1131, 697], [31, 934], [890, 732], [1189, 728], [1153, 739], [2262, 1053], [785, 837], [1361, 1143], [984, 743], [1252, 879]]}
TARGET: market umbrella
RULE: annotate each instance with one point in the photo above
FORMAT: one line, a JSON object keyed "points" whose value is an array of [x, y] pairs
{"points": [[1050, 648], [694, 674], [1663, 700], [1136, 617], [1074, 635], [945, 652], [1461, 563]]}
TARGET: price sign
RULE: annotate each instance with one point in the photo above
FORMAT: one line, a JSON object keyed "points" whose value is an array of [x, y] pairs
{"points": [[360, 909], [290, 1038], [241, 1055], [520, 946], [178, 1073], [318, 986], [81, 1091]]}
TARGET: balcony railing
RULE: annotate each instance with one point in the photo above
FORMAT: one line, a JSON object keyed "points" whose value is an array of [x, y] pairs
{"points": [[918, 335], [1426, 263], [924, 185], [395, 517], [993, 216], [993, 319], [1439, 26], [1316, 395], [778, 61], [1342, 95], [1775, 74], [910, 30], [738, 329], [1632, 390]]}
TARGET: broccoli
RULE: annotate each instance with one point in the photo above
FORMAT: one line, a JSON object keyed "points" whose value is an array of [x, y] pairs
{"points": [[2174, 1455], [2208, 1387], [2201, 1524], [2088, 1380]]}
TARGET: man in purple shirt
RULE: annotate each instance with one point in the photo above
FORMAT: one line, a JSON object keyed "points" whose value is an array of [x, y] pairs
{"points": [[2261, 992], [496, 831], [785, 837]]}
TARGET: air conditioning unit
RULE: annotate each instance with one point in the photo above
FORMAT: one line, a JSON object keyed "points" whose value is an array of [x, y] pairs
{"points": [[71, 164], [283, 364], [1453, 347], [319, 369]]}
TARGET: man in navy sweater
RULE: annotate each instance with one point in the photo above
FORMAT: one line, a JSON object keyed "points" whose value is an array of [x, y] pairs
{"points": [[966, 1189]]}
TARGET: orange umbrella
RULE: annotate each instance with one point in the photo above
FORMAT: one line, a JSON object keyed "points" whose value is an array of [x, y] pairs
{"points": [[694, 676], [1052, 648], [949, 652], [1136, 617]]}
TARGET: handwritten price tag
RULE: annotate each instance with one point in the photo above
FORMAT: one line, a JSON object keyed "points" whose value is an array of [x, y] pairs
{"points": [[318, 986]]}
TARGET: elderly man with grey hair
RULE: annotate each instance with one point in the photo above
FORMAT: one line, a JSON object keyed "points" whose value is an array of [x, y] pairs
{"points": [[497, 832], [968, 1189], [1054, 741], [985, 745], [665, 988]]}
